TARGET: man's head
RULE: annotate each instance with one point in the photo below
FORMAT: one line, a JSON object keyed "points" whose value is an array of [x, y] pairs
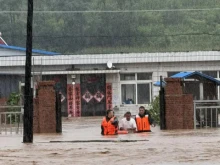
{"points": [[141, 110], [128, 116], [110, 113]]}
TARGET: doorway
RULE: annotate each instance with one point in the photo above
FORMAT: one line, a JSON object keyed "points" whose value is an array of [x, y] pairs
{"points": [[93, 94]]}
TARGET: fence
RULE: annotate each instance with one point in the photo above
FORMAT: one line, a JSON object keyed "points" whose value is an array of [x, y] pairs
{"points": [[206, 113], [11, 122]]}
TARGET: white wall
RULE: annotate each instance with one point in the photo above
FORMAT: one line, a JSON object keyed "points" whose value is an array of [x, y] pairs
{"points": [[155, 78], [69, 79], [158, 69], [115, 80]]}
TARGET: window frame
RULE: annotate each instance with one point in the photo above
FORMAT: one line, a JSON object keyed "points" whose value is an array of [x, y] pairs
{"points": [[136, 82]]}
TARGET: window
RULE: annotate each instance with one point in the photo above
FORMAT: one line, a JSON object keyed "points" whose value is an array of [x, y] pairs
{"points": [[127, 76], [128, 92], [144, 76], [143, 91], [136, 88]]}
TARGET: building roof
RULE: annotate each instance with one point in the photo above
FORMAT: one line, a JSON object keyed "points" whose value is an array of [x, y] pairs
{"points": [[184, 75], [42, 52], [127, 58], [195, 73]]}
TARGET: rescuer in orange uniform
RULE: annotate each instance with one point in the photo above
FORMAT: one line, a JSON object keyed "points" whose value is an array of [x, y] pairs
{"points": [[143, 120], [109, 124]]}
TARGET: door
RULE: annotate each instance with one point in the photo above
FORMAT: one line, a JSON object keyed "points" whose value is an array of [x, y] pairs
{"points": [[93, 95]]}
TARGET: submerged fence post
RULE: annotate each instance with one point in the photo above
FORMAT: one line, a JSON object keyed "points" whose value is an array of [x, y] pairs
{"points": [[58, 113]]}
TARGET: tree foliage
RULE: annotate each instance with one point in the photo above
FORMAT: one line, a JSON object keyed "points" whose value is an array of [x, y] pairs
{"points": [[13, 99], [155, 109], [160, 28]]}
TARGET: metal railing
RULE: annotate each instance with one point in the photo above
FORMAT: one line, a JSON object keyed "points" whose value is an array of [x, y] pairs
{"points": [[11, 122], [206, 113]]}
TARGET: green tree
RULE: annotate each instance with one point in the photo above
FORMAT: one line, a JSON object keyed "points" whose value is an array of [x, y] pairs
{"points": [[113, 32], [13, 100], [155, 109]]}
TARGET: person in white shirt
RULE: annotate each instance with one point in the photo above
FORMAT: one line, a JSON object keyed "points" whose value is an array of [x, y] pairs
{"points": [[128, 123]]}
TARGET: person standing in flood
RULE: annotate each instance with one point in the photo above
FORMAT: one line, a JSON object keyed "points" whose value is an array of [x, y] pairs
{"points": [[109, 125], [144, 120], [128, 123]]}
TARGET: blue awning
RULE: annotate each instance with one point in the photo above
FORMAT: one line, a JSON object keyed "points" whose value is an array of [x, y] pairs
{"points": [[184, 75]]}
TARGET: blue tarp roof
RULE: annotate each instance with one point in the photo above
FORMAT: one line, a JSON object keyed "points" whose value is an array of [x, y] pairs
{"points": [[189, 74], [182, 75], [24, 49]]}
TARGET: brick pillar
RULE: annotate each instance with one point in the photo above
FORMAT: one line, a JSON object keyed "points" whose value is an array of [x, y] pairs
{"points": [[188, 111], [173, 86], [45, 108], [179, 106]]}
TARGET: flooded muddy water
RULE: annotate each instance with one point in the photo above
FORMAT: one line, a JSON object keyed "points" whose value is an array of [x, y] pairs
{"points": [[182, 147]]}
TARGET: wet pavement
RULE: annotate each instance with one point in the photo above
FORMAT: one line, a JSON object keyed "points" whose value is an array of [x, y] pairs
{"points": [[182, 147]]}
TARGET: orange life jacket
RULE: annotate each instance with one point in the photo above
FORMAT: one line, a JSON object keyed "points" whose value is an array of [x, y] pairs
{"points": [[143, 124], [109, 128]]}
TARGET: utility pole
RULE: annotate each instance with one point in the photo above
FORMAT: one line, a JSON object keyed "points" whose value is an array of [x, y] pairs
{"points": [[28, 93]]}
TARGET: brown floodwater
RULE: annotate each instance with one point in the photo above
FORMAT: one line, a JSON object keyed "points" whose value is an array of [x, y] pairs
{"points": [[182, 147]]}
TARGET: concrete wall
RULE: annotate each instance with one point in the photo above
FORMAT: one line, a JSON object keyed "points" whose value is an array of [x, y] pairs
{"points": [[157, 68], [77, 79], [9, 84], [114, 79], [128, 68]]}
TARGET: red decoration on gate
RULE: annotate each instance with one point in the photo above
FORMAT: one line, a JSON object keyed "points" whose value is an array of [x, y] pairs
{"points": [[77, 100], [98, 96], [108, 96], [70, 100], [87, 96]]}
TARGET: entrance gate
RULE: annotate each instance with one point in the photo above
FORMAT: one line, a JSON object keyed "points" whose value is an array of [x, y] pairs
{"points": [[206, 113], [93, 94]]}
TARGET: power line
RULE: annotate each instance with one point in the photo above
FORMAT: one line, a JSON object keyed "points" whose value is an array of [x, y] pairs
{"points": [[106, 11]]}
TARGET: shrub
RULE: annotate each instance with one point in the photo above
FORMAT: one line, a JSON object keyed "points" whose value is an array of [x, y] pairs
{"points": [[154, 109], [13, 100]]}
